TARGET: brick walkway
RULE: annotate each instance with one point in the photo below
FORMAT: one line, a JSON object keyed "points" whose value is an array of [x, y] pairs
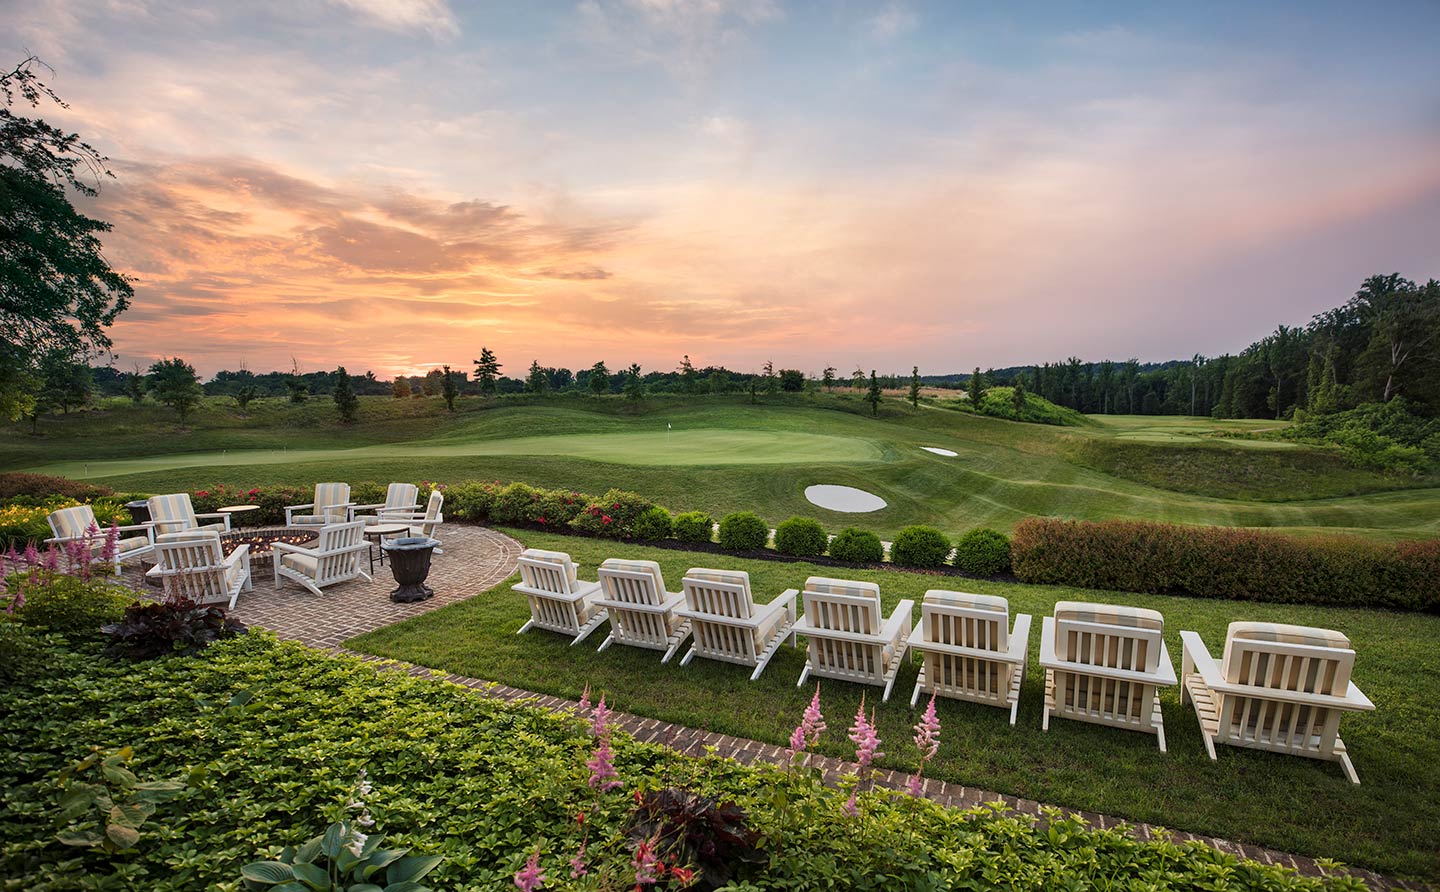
{"points": [[476, 559]]}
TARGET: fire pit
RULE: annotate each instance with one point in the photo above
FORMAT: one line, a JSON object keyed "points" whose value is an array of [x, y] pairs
{"points": [[261, 540]]}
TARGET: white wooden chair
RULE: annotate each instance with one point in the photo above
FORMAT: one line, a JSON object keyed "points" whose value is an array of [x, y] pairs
{"points": [[726, 625], [849, 637], [1106, 664], [332, 505], [402, 501], [559, 600], [175, 514], [1279, 687], [967, 650], [334, 559], [424, 523], [193, 565], [79, 524], [642, 613]]}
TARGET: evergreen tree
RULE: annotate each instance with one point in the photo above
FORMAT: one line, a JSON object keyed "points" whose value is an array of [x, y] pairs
{"points": [[536, 381], [976, 389], [173, 383], [634, 384], [1017, 398], [873, 397], [771, 382], [487, 371], [345, 400], [599, 379], [135, 385], [827, 378], [689, 378], [448, 389], [915, 387], [400, 387]]}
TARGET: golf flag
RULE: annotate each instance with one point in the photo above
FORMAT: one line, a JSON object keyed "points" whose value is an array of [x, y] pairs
{"points": [[667, 425]]}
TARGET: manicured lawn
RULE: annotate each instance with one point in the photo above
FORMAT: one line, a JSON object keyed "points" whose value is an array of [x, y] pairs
{"points": [[1291, 804], [722, 454]]}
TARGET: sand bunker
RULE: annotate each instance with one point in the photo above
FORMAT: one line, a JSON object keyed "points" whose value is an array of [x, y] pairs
{"points": [[843, 498], [938, 451]]}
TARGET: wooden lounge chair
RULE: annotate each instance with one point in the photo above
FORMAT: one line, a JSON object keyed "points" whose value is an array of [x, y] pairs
{"points": [[1280, 688], [193, 565], [726, 625], [642, 613], [967, 650], [1106, 664], [175, 514], [334, 559], [424, 523], [332, 505], [78, 524], [559, 600], [402, 502], [849, 637]]}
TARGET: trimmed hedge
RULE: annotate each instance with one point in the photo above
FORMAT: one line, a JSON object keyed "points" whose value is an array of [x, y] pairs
{"points": [[694, 526], [920, 546], [801, 536], [654, 524], [743, 531], [984, 552], [858, 546], [1228, 563]]}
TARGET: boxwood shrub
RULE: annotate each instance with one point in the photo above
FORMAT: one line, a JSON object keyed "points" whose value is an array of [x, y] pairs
{"points": [[654, 523], [984, 552], [743, 531], [801, 536], [694, 526], [270, 737], [920, 546], [858, 546]]}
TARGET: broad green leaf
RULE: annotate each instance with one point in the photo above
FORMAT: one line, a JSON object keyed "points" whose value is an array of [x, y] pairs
{"points": [[380, 860], [242, 697], [312, 875], [131, 814], [411, 867], [407, 886], [123, 837], [365, 887], [310, 851], [120, 777], [84, 838], [334, 840], [268, 872]]}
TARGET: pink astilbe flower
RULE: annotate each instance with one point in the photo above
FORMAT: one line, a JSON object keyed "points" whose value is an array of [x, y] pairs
{"points": [[865, 738], [850, 807], [530, 877], [648, 868], [927, 741], [600, 723], [812, 724], [578, 867], [603, 776], [111, 546], [585, 700]]}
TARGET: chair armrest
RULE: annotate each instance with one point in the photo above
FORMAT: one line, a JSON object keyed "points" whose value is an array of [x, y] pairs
{"points": [[784, 599], [377, 506], [1195, 655], [900, 621], [1019, 639], [305, 505], [346, 549], [917, 641], [241, 552], [291, 547], [571, 598]]}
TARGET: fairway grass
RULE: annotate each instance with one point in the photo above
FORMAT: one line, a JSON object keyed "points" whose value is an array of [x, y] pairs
{"points": [[1288, 803]]}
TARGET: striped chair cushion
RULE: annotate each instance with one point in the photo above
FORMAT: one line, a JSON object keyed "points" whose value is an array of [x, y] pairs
{"points": [[554, 557], [640, 567], [123, 546], [72, 523], [1110, 614], [946, 598], [401, 495], [727, 577], [822, 585], [172, 513], [311, 519], [308, 564], [192, 533], [1286, 634], [744, 606]]}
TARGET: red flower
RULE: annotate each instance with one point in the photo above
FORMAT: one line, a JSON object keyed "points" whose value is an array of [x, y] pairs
{"points": [[615, 506], [202, 493], [684, 875], [540, 520], [580, 818], [605, 519]]}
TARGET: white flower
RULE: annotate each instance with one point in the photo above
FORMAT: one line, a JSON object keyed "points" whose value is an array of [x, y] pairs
{"points": [[357, 842]]}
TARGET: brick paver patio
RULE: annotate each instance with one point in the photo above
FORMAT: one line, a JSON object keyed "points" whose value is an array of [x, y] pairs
{"points": [[476, 559]]}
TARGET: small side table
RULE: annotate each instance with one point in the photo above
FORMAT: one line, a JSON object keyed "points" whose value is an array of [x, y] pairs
{"points": [[233, 510], [377, 534]]}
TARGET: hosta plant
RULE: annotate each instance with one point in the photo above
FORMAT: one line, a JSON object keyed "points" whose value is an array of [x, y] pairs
{"points": [[341, 858]]}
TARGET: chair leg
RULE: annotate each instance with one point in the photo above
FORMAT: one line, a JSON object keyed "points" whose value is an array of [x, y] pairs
{"points": [[680, 635], [1014, 710], [915, 694], [1349, 768], [1209, 745], [1045, 719], [689, 655], [804, 674], [525, 628], [591, 626], [609, 640]]}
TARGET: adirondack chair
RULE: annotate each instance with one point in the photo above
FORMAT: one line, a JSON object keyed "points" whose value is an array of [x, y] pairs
{"points": [[559, 600], [849, 637], [642, 613], [193, 565], [427, 522], [402, 501], [1279, 687], [175, 514], [334, 559], [78, 524], [1106, 664], [332, 505], [726, 625], [967, 651]]}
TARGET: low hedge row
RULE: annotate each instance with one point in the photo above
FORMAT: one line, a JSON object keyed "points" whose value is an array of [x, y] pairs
{"points": [[1228, 563], [266, 740]]}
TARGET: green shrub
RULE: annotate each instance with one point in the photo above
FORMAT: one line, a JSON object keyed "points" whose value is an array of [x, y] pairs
{"points": [[983, 552], [22, 650], [74, 606], [694, 526], [42, 486], [1229, 563], [857, 546], [23, 518], [654, 524], [472, 501], [743, 531], [920, 546], [801, 536], [613, 515], [999, 402], [518, 503]]}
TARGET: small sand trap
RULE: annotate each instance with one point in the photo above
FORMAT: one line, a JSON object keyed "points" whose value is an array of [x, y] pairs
{"points": [[938, 451], [843, 498]]}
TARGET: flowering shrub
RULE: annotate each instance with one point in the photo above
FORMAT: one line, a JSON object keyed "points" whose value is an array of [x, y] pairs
{"points": [[473, 500], [613, 515], [1221, 562], [23, 518], [743, 531], [518, 503], [857, 546], [71, 605], [42, 486], [694, 526], [983, 552], [920, 546], [801, 536]]}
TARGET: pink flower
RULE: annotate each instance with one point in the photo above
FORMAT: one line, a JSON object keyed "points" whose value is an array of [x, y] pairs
{"points": [[605, 519], [850, 807], [615, 507], [200, 494], [585, 700], [578, 867], [865, 738], [112, 544], [927, 733], [603, 776], [812, 723], [600, 723], [645, 863], [530, 877]]}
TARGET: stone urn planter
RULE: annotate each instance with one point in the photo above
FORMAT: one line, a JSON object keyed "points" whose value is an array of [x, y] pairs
{"points": [[410, 564]]}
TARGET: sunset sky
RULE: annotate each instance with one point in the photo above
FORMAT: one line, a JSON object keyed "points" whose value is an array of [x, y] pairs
{"points": [[390, 184]]}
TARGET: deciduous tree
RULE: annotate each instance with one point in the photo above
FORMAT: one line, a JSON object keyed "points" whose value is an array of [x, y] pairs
{"points": [[173, 383], [400, 387], [599, 379], [792, 380], [536, 381], [827, 378]]}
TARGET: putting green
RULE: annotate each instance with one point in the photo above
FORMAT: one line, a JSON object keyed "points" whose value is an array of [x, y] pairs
{"points": [[681, 447]]}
